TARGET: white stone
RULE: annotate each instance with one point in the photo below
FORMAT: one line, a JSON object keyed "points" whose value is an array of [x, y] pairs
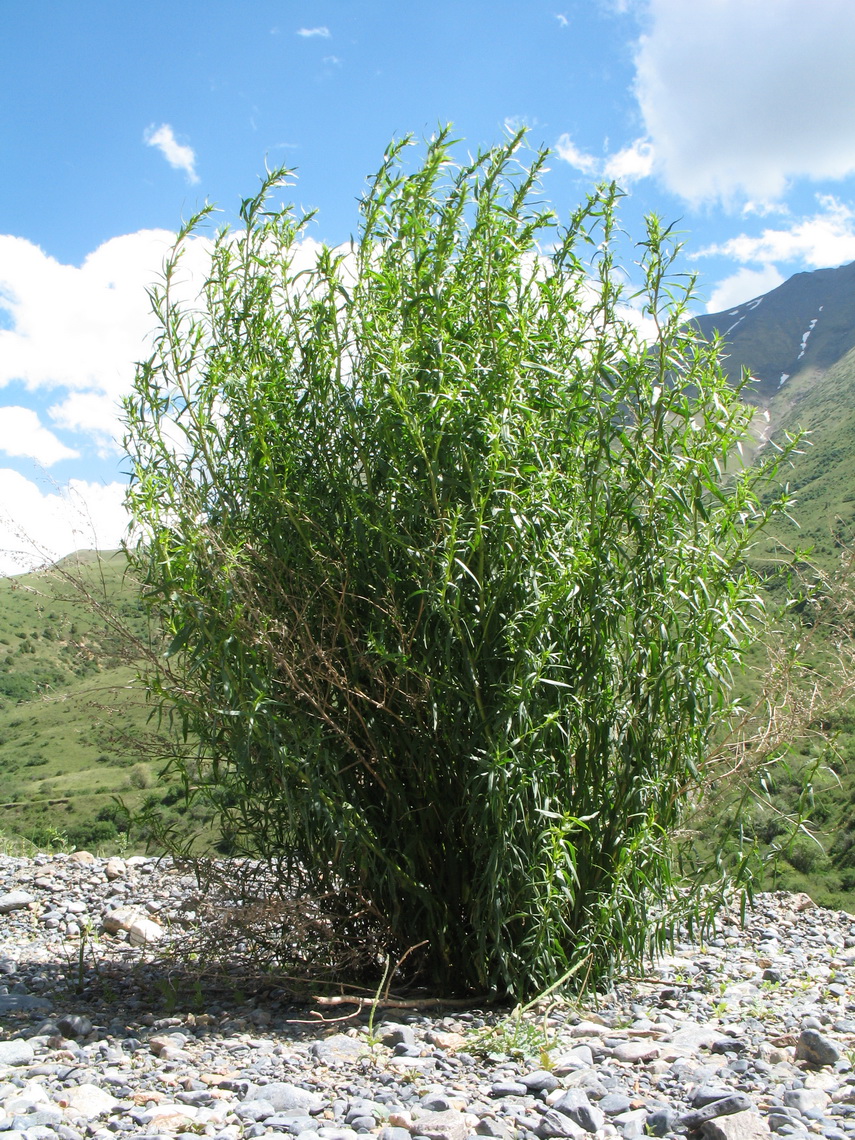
{"points": [[89, 1100], [140, 928], [748, 1125], [115, 869]]}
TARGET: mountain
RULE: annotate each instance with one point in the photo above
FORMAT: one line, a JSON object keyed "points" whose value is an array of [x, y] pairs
{"points": [[798, 344], [803, 327]]}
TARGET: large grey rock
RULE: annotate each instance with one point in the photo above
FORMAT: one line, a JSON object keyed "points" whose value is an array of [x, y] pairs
{"points": [[392, 1033], [286, 1097], [30, 1098], [15, 900], [556, 1124], [694, 1037], [635, 1052], [748, 1125], [252, 1111], [294, 1123], [708, 1094], [89, 1101], [736, 1102], [74, 1025], [661, 1121], [16, 1052], [339, 1047], [632, 1124], [612, 1104], [502, 1089], [805, 1100], [115, 869], [816, 1049], [582, 1057], [575, 1104], [539, 1081]]}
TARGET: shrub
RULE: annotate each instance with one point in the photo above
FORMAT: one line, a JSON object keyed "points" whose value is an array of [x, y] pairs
{"points": [[450, 576], [117, 814], [139, 777], [91, 833], [807, 856]]}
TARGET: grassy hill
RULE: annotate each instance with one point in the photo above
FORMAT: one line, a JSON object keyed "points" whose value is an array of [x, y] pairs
{"points": [[72, 714]]}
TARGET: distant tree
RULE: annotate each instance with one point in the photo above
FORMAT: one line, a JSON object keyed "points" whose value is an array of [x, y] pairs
{"points": [[450, 567]]}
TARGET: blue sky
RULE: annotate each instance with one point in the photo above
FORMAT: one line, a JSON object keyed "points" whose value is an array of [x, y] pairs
{"points": [[734, 119]]}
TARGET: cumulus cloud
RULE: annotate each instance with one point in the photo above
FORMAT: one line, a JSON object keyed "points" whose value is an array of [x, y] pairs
{"points": [[825, 238], [624, 166], [308, 33], [93, 415], [567, 150], [82, 328], [633, 162], [740, 98], [178, 155], [39, 526], [743, 286], [76, 332], [23, 434]]}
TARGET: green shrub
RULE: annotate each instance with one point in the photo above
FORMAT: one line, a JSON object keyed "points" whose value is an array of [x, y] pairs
{"points": [[807, 856], [139, 777], [117, 814], [449, 572], [92, 833]]}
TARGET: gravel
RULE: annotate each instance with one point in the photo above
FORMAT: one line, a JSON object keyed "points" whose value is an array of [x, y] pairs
{"points": [[748, 1035]]}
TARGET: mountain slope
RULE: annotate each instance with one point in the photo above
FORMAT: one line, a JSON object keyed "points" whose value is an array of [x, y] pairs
{"points": [[805, 326], [71, 711]]}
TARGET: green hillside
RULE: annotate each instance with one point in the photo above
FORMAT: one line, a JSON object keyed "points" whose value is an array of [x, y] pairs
{"points": [[823, 476], [71, 712]]}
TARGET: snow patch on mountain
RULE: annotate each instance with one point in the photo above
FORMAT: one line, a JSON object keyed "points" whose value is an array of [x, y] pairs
{"points": [[805, 336]]}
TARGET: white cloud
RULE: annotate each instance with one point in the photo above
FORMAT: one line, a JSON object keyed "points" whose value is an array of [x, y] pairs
{"points": [[567, 150], [743, 286], [37, 527], [23, 434], [77, 332], [628, 165], [826, 238], [633, 162], [763, 209], [178, 155], [307, 33], [739, 98], [83, 327], [563, 22], [94, 415]]}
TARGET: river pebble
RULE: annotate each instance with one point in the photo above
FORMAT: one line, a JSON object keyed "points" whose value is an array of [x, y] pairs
{"points": [[750, 1035]]}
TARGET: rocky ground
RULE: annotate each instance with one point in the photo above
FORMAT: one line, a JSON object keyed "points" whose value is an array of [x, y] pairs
{"points": [[752, 1033]]}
